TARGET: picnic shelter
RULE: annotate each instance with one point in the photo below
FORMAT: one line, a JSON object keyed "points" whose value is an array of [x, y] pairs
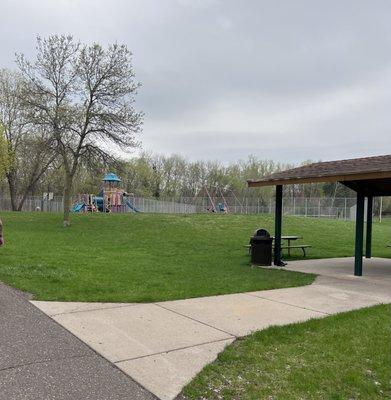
{"points": [[369, 177]]}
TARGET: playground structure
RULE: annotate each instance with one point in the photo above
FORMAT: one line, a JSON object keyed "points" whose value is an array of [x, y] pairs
{"points": [[112, 198], [217, 200]]}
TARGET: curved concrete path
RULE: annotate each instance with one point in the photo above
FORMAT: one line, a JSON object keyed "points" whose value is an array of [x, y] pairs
{"points": [[164, 345]]}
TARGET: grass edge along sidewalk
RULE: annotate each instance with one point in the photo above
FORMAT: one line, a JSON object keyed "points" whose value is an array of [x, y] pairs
{"points": [[344, 356], [147, 258]]}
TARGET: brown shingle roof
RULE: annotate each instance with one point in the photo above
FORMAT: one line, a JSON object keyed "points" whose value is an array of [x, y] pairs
{"points": [[331, 171]]}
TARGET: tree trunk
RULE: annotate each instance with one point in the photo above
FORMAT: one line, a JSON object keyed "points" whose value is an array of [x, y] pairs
{"points": [[22, 200], [67, 199], [11, 178], [30, 189], [26, 191]]}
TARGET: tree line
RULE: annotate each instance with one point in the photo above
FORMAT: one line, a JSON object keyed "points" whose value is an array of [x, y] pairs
{"points": [[64, 115]]}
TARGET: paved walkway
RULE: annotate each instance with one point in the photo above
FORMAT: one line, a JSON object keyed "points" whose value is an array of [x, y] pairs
{"points": [[40, 360], [163, 345]]}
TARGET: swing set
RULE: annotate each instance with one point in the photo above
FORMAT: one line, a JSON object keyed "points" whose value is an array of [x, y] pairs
{"points": [[217, 201]]}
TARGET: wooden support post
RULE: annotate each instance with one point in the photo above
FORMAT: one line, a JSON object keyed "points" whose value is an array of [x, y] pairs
{"points": [[368, 242], [359, 234], [278, 227]]}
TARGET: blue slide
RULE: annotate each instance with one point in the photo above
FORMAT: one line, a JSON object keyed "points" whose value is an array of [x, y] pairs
{"points": [[78, 207], [131, 206]]}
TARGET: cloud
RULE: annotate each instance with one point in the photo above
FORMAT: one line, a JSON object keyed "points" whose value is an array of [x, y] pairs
{"points": [[224, 79]]}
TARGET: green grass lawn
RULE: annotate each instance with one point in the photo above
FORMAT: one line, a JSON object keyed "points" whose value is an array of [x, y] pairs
{"points": [[345, 356], [146, 257]]}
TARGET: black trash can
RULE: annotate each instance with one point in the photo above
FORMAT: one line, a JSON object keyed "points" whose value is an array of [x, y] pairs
{"points": [[261, 245]]}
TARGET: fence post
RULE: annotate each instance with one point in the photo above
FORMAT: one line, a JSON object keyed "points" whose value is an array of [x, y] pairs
{"points": [[345, 210], [306, 207]]}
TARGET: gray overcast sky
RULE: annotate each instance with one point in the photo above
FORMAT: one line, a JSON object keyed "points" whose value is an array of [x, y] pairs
{"points": [[286, 80]]}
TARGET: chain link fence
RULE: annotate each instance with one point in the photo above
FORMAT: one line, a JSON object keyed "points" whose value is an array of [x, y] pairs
{"points": [[310, 207], [142, 204], [342, 208]]}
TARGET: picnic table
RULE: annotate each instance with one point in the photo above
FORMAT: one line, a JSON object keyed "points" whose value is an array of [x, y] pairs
{"points": [[288, 238], [289, 246]]}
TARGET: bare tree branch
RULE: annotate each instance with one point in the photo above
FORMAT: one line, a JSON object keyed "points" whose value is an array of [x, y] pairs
{"points": [[83, 95]]}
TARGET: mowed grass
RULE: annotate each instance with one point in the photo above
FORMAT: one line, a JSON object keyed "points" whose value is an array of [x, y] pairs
{"points": [[346, 356], [147, 257]]}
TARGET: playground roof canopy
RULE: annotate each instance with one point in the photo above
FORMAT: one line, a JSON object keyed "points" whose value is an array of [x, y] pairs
{"points": [[111, 177], [371, 173]]}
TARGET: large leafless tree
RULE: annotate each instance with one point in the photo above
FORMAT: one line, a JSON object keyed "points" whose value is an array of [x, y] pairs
{"points": [[83, 94]]}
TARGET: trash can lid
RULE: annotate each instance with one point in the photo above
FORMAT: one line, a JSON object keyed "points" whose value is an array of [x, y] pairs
{"points": [[261, 232]]}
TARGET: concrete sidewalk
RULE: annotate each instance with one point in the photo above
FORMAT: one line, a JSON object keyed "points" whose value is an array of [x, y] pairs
{"points": [[164, 345], [41, 360]]}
